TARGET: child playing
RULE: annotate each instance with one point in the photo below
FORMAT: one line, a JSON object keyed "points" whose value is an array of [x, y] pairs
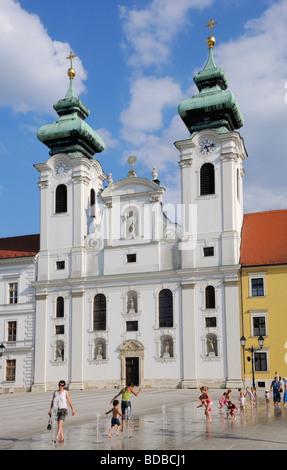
{"points": [[206, 402], [231, 410], [115, 420], [242, 402], [223, 401], [267, 396], [251, 396]]}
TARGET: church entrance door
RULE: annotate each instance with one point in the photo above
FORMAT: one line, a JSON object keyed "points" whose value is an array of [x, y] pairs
{"points": [[132, 370], [132, 362]]}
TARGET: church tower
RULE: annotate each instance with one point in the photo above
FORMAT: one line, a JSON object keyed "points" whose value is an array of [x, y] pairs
{"points": [[70, 181], [211, 162]]}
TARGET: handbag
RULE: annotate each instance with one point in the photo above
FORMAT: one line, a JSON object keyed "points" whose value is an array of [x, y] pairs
{"points": [[49, 425]]}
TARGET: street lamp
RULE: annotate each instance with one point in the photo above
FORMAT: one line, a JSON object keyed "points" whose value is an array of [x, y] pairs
{"points": [[2, 349], [252, 350]]}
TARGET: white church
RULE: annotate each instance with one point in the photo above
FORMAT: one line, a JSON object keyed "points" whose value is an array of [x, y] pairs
{"points": [[113, 292]]}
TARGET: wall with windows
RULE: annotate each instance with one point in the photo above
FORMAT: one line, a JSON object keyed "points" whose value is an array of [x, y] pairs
{"points": [[264, 310], [17, 323]]}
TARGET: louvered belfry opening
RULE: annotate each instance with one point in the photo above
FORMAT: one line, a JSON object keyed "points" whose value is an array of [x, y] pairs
{"points": [[61, 199], [207, 184]]}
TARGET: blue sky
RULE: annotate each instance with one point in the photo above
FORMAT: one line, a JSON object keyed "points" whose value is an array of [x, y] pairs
{"points": [[135, 63]]}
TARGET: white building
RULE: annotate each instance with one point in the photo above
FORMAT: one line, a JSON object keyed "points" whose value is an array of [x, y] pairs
{"points": [[119, 293]]}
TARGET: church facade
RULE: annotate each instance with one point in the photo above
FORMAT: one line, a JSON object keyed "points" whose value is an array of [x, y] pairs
{"points": [[116, 292]]}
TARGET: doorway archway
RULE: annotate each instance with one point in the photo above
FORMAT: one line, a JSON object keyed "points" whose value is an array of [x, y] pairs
{"points": [[132, 361]]}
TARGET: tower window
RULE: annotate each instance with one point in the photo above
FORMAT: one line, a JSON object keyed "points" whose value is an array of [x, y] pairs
{"points": [[208, 251], [210, 297], [60, 265], [131, 258], [207, 180], [60, 307], [61, 199], [92, 203]]}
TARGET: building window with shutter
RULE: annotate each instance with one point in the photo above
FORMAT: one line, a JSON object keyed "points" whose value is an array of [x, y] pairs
{"points": [[61, 199], [207, 179]]}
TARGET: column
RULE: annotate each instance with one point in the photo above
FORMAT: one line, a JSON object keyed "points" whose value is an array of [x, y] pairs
{"points": [[77, 341], [189, 345], [41, 358], [233, 348]]}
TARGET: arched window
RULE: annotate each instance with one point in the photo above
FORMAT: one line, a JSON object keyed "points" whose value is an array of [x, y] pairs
{"points": [[92, 203], [210, 297], [61, 199], [60, 307], [207, 183], [100, 320], [165, 309]]}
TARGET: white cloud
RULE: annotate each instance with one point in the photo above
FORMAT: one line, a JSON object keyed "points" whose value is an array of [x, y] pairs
{"points": [[109, 141], [149, 31], [150, 97], [34, 67]]}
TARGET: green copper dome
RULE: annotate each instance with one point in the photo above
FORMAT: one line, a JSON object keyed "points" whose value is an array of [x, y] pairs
{"points": [[70, 134], [214, 107]]}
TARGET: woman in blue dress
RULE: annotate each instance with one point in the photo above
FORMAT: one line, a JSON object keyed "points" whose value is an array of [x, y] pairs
{"points": [[277, 389]]}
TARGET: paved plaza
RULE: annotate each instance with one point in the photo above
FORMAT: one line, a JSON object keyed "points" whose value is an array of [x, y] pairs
{"points": [[162, 420]]}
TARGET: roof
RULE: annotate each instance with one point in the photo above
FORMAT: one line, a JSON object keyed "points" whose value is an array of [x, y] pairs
{"points": [[18, 247], [264, 238]]}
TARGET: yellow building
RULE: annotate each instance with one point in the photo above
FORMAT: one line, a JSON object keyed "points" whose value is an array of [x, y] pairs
{"points": [[264, 296]]}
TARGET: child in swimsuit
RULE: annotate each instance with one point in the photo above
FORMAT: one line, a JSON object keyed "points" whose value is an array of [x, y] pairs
{"points": [[206, 402]]}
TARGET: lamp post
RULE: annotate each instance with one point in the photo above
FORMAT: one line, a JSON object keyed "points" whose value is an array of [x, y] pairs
{"points": [[2, 349], [251, 350]]}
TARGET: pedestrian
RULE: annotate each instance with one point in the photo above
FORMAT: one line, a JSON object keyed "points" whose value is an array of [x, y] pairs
{"points": [[126, 402], [223, 401], [277, 389], [61, 399], [267, 396], [242, 402], [231, 410], [115, 422], [285, 391], [206, 402]]}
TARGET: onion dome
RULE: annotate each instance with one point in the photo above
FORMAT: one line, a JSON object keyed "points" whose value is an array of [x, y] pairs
{"points": [[214, 107], [70, 134]]}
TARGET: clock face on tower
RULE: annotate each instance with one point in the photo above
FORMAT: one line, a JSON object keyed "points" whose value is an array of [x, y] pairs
{"points": [[206, 146], [61, 169]]}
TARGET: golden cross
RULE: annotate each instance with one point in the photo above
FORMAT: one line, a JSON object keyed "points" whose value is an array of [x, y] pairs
{"points": [[71, 57], [211, 25]]}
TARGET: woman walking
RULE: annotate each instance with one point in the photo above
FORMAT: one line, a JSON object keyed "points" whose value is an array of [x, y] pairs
{"points": [[61, 398]]}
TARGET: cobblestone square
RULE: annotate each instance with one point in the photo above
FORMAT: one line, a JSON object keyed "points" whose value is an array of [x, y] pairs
{"points": [[162, 420]]}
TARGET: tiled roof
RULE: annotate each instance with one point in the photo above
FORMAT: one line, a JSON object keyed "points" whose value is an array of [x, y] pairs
{"points": [[264, 238], [18, 247]]}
